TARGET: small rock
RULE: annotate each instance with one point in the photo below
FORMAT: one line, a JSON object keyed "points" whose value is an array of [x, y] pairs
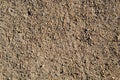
{"points": [[113, 77]]}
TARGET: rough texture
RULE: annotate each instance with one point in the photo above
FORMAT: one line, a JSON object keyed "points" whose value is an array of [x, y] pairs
{"points": [[59, 39]]}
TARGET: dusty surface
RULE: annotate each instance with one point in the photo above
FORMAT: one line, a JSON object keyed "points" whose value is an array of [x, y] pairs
{"points": [[59, 39]]}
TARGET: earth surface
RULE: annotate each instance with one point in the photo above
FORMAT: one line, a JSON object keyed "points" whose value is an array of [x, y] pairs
{"points": [[59, 39]]}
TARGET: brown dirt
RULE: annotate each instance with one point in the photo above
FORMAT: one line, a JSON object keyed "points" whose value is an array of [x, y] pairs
{"points": [[59, 39]]}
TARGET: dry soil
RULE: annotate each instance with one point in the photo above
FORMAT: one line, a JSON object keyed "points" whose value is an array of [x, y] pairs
{"points": [[59, 39]]}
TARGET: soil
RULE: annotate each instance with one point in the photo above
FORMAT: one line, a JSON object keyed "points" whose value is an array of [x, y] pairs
{"points": [[59, 39]]}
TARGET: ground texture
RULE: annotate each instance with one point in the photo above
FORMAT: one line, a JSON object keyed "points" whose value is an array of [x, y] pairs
{"points": [[59, 39]]}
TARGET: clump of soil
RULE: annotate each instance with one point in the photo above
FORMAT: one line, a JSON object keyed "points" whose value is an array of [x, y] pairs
{"points": [[59, 40]]}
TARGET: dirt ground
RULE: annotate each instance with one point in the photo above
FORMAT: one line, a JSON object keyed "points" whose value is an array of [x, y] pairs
{"points": [[59, 39]]}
